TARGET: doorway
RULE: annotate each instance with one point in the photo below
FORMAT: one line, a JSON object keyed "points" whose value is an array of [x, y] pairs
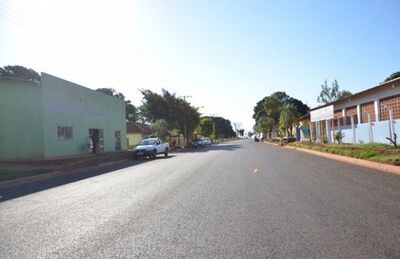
{"points": [[97, 136]]}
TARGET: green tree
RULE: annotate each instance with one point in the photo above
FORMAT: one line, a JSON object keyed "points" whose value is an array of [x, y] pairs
{"points": [[267, 111], [272, 107], [393, 76], [206, 127], [328, 94], [176, 111], [288, 117], [344, 94], [331, 93], [223, 128], [132, 113], [160, 129], [265, 124], [19, 72]]}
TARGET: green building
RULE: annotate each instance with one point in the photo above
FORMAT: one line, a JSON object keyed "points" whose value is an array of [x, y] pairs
{"points": [[54, 118]]}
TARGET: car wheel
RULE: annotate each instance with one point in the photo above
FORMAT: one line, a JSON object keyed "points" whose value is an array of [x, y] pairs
{"points": [[166, 152], [154, 154]]}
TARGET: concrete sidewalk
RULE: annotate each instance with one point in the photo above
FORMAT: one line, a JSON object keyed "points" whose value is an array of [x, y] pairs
{"points": [[15, 171]]}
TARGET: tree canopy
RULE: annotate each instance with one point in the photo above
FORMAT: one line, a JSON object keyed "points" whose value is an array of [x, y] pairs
{"points": [[206, 127], [176, 111], [19, 72], [267, 112], [160, 128], [393, 76], [331, 93], [265, 124], [288, 116], [223, 127]]}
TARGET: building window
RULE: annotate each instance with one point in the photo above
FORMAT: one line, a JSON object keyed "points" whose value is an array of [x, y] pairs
{"points": [[390, 103], [64, 132], [117, 140], [367, 108], [338, 118], [351, 112]]}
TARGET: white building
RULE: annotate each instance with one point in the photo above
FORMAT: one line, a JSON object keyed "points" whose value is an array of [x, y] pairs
{"points": [[365, 117]]}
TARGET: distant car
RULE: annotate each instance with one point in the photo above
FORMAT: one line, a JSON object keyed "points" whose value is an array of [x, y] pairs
{"points": [[198, 142], [206, 141], [150, 147]]}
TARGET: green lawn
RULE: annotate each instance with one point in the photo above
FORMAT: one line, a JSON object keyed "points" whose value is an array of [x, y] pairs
{"points": [[374, 152]]}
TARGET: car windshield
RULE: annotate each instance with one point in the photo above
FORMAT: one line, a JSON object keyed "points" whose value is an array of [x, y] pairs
{"points": [[147, 142]]}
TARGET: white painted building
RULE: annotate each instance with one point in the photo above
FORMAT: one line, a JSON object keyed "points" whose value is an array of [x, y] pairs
{"points": [[365, 117]]}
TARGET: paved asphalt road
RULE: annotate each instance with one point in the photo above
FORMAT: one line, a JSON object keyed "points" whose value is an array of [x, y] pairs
{"points": [[235, 200]]}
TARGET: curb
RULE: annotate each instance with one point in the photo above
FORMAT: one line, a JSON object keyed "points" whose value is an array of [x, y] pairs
{"points": [[351, 160], [45, 176]]}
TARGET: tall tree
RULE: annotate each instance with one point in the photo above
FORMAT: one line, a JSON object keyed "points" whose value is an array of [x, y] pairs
{"points": [[223, 128], [206, 127], [160, 128], [272, 106], [19, 72], [288, 117], [328, 93], [132, 113], [267, 111], [393, 76], [265, 124], [302, 108], [176, 111], [344, 94], [331, 93]]}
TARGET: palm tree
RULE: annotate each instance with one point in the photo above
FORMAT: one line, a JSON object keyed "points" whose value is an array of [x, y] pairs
{"points": [[288, 116]]}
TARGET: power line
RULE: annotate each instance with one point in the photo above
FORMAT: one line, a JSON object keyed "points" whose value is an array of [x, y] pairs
{"points": [[368, 33]]}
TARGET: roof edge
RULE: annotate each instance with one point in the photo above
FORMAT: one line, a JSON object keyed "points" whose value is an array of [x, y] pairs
{"points": [[383, 84]]}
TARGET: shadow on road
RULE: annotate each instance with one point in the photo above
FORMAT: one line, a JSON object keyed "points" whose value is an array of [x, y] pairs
{"points": [[22, 189]]}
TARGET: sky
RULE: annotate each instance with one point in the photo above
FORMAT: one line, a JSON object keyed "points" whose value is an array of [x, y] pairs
{"points": [[225, 55]]}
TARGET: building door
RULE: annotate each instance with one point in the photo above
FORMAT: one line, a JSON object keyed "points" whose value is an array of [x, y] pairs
{"points": [[117, 140], [98, 140]]}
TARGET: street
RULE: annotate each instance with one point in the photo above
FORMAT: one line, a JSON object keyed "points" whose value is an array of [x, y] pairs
{"points": [[239, 199]]}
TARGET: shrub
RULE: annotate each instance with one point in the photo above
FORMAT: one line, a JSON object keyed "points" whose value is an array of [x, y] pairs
{"points": [[339, 136]]}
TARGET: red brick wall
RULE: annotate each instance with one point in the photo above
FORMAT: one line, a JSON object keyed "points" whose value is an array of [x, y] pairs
{"points": [[367, 108], [337, 115], [393, 103], [350, 112]]}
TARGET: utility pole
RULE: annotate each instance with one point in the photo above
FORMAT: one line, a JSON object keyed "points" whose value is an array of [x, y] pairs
{"points": [[184, 120]]}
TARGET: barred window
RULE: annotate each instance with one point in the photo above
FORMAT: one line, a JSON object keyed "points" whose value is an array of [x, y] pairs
{"points": [[338, 118], [64, 132], [351, 112], [390, 103], [367, 108]]}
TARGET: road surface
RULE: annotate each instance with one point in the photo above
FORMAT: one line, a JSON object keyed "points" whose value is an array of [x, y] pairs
{"points": [[235, 200]]}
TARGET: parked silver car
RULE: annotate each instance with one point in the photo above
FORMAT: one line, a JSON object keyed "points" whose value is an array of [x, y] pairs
{"points": [[206, 141]]}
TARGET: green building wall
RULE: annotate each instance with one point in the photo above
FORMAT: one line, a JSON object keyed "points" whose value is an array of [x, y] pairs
{"points": [[21, 120], [71, 105], [30, 115]]}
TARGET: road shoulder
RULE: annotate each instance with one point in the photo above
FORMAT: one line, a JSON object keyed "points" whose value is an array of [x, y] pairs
{"points": [[350, 160]]}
